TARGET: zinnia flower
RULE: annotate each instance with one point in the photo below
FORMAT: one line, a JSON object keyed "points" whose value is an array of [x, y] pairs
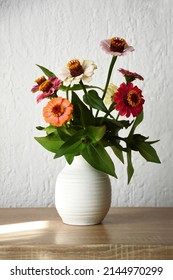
{"points": [[130, 76], [39, 81], [129, 100], [116, 46], [77, 70], [110, 93], [47, 86], [58, 111]]}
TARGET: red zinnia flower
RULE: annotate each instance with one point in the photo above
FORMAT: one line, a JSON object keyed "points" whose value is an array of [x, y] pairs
{"points": [[129, 100]]}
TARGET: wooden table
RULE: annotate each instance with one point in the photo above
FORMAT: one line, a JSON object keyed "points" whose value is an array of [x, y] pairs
{"points": [[126, 233]]}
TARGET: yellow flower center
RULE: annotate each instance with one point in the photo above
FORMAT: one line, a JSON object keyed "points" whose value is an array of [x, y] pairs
{"points": [[40, 80], [133, 98], [45, 86], [117, 44], [75, 67]]}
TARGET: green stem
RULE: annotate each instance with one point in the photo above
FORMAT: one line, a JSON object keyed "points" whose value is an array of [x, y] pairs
{"points": [[114, 58], [117, 116], [66, 125], [102, 120], [105, 116], [67, 94], [84, 89]]}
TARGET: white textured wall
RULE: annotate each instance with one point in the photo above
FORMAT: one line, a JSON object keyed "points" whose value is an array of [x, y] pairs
{"points": [[52, 32]]}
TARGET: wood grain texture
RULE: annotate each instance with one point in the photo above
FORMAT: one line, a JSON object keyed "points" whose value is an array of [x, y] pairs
{"points": [[126, 233]]}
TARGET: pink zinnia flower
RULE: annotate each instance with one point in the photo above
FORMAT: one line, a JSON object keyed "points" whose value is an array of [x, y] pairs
{"points": [[47, 86], [39, 81], [130, 76], [129, 100], [116, 46]]}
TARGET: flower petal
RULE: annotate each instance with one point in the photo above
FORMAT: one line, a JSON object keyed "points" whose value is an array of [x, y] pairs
{"points": [[35, 88]]}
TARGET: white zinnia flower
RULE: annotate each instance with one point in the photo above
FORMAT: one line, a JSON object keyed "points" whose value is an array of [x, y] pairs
{"points": [[77, 70], [110, 93]]}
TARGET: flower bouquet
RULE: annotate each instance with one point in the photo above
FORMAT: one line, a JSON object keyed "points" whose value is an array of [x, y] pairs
{"points": [[81, 118]]}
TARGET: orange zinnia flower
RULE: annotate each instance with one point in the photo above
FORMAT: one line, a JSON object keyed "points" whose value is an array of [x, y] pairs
{"points": [[58, 111]]}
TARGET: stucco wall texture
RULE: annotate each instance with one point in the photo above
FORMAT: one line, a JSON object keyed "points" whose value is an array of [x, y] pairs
{"points": [[50, 33]]}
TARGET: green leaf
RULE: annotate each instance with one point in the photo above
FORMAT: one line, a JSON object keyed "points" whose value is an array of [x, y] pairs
{"points": [[112, 130], [153, 142], [86, 116], [66, 133], [138, 120], [123, 124], [94, 100], [130, 169], [46, 71], [148, 152], [40, 127], [81, 112], [95, 133], [94, 87], [118, 152], [78, 87], [139, 138], [50, 142], [112, 107], [72, 146], [136, 139], [110, 123], [50, 129], [98, 158], [69, 158]]}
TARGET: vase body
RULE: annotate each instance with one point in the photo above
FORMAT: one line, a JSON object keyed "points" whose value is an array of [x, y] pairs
{"points": [[82, 194]]}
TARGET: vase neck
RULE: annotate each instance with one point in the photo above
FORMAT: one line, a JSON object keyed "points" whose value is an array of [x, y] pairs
{"points": [[79, 160]]}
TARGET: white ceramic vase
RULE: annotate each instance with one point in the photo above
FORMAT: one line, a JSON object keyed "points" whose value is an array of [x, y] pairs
{"points": [[82, 194]]}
